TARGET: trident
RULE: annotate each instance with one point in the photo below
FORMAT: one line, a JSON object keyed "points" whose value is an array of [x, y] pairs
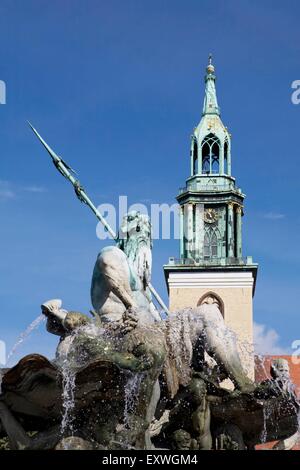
{"points": [[67, 171]]}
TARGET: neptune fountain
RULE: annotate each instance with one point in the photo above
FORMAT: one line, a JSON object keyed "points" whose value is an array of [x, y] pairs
{"points": [[126, 378]]}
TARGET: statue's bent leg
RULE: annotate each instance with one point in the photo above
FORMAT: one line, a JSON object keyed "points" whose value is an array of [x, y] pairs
{"points": [[121, 291], [222, 346], [150, 413], [111, 274]]}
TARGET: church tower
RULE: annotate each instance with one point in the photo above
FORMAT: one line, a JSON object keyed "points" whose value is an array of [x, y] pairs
{"points": [[211, 267]]}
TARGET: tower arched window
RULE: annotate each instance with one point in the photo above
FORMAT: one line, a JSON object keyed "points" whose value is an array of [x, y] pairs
{"points": [[226, 157], [211, 243], [212, 298], [210, 154], [206, 246], [205, 158], [214, 245], [195, 157]]}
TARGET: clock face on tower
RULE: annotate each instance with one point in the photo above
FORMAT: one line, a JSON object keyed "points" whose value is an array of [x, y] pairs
{"points": [[210, 216]]}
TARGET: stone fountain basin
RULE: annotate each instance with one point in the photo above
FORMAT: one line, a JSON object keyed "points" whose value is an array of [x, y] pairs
{"points": [[269, 419], [32, 389]]}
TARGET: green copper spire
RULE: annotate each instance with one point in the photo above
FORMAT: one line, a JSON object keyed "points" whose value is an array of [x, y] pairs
{"points": [[210, 105], [211, 142]]}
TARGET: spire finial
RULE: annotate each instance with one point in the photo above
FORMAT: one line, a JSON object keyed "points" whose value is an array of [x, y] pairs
{"points": [[210, 68], [210, 100]]}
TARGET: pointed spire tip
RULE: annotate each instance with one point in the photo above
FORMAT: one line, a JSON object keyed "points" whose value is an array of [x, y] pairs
{"points": [[210, 68]]}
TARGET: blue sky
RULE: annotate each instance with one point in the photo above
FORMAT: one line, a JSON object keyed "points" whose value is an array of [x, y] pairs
{"points": [[116, 87]]}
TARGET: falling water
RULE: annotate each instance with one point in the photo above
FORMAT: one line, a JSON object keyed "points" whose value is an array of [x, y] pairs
{"points": [[132, 389], [69, 378], [263, 435], [261, 361], [68, 397], [23, 336]]}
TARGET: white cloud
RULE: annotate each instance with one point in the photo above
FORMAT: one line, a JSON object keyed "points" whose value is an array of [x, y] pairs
{"points": [[35, 189], [266, 341], [274, 215], [6, 194], [10, 190], [6, 191]]}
